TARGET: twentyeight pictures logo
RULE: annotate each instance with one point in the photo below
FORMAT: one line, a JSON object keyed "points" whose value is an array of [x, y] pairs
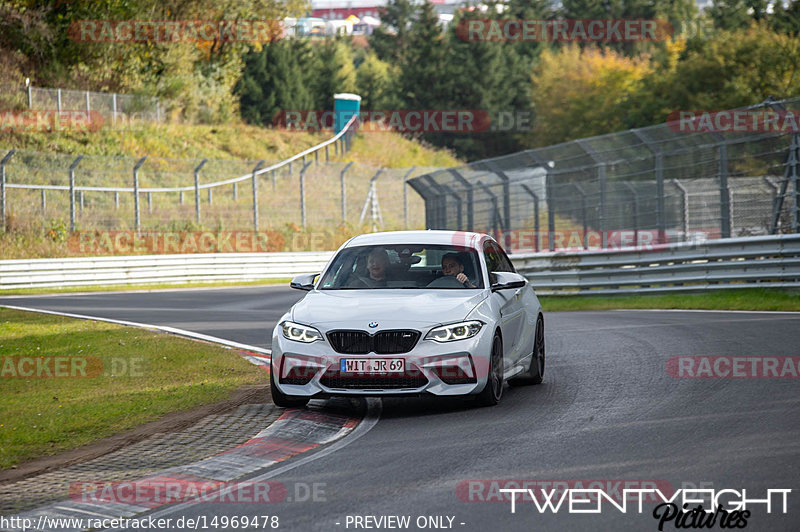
{"points": [[563, 30]]}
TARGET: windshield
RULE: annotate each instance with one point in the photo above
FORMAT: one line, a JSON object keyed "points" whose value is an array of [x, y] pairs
{"points": [[413, 267]]}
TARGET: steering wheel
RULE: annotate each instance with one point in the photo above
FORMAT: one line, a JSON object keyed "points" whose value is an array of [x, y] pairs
{"points": [[446, 281]]}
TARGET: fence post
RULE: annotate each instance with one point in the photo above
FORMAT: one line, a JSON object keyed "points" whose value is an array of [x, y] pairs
{"points": [[724, 193], [303, 193], [136, 218], [235, 191], [535, 197], [255, 194], [210, 196], [405, 197], [72, 193], [316, 158], [794, 175], [551, 219], [197, 190], [3, 188], [81, 202], [180, 197], [114, 108], [58, 93], [30, 95], [327, 155], [44, 201], [344, 191], [470, 199], [88, 108], [116, 200], [583, 215], [684, 208], [149, 202], [635, 196]]}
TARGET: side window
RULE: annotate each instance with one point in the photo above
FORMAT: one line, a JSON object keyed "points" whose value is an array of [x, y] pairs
{"points": [[496, 259]]}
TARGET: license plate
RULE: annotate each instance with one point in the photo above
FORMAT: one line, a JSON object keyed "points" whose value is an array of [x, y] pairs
{"points": [[372, 365]]}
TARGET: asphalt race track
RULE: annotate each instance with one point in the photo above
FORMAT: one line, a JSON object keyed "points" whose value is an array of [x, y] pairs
{"points": [[608, 410]]}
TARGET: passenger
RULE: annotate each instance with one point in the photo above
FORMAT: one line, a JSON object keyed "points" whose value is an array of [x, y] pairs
{"points": [[452, 264]]}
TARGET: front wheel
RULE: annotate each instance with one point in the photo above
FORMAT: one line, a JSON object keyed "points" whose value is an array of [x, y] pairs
{"points": [[282, 399], [493, 390], [535, 373]]}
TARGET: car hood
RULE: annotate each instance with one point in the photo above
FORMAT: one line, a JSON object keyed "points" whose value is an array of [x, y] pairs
{"points": [[389, 308]]}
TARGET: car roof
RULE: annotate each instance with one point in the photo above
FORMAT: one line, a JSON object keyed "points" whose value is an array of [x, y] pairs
{"points": [[454, 238]]}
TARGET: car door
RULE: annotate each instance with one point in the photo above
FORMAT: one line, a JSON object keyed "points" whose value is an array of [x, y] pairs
{"points": [[512, 309]]}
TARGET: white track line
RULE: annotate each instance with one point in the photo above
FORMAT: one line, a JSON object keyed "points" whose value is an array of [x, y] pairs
{"points": [[700, 310], [170, 330], [140, 291]]}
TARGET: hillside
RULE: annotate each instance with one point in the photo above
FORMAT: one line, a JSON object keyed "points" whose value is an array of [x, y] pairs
{"points": [[229, 141], [37, 229]]}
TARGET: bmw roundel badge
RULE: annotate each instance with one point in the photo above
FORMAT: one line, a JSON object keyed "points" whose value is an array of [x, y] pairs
{"points": [[373, 324]]}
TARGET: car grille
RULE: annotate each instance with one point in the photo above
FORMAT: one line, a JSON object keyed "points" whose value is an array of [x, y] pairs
{"points": [[384, 342], [410, 379]]}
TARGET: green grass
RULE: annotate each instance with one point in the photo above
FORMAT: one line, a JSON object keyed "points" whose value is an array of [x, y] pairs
{"points": [[732, 299], [43, 416], [154, 286]]}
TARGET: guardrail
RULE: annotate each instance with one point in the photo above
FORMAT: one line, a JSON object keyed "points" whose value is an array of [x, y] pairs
{"points": [[763, 262], [147, 269]]}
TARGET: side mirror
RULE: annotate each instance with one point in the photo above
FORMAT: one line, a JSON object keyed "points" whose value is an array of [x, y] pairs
{"points": [[507, 280], [304, 282]]}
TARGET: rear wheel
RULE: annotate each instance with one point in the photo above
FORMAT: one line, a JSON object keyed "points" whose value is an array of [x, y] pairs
{"points": [[493, 390], [282, 399], [535, 373]]}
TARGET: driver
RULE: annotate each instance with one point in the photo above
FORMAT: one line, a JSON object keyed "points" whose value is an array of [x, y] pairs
{"points": [[377, 262], [453, 265]]}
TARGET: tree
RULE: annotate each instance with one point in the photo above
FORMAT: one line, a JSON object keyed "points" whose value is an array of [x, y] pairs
{"points": [[737, 14], [273, 81], [733, 69], [376, 83], [580, 93], [332, 72], [390, 39], [423, 69]]}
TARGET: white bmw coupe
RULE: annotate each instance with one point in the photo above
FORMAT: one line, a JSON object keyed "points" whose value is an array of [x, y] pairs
{"points": [[410, 313]]}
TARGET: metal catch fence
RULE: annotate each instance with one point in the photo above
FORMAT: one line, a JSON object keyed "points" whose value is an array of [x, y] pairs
{"points": [[672, 182]]}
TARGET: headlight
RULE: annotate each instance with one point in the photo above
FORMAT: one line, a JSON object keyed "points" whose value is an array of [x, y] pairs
{"points": [[300, 333], [456, 331]]}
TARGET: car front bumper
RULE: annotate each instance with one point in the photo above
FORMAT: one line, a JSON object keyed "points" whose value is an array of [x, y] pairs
{"points": [[434, 366]]}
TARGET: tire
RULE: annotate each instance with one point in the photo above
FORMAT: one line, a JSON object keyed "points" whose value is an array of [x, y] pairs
{"points": [[493, 391], [280, 398], [535, 373]]}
